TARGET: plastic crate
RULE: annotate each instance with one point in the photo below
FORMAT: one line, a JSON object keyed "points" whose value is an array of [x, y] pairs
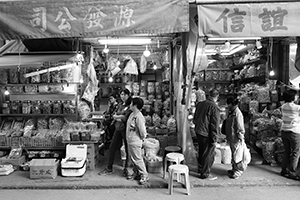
{"points": [[59, 142], [49, 142], [4, 141], [15, 142], [26, 142], [38, 142]]}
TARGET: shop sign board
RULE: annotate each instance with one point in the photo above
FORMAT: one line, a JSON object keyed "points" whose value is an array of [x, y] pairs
{"points": [[247, 20], [90, 18]]}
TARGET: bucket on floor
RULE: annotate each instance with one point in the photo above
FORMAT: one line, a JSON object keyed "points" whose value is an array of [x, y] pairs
{"points": [[225, 154]]}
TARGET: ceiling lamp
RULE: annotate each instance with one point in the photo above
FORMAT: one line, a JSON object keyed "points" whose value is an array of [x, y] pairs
{"points": [[106, 49], [125, 41], [258, 44], [272, 73], [146, 52]]}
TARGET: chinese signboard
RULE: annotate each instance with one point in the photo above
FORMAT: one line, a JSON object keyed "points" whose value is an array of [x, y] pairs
{"points": [[246, 20], [87, 18]]}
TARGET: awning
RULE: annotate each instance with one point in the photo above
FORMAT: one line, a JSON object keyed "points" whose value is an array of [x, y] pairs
{"points": [[270, 19], [34, 60], [91, 18]]}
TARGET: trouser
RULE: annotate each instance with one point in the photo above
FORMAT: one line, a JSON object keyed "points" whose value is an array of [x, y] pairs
{"points": [[136, 157], [236, 148], [115, 145], [206, 154], [291, 143]]}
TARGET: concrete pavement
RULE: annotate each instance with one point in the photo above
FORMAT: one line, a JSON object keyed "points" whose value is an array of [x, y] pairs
{"points": [[257, 174]]}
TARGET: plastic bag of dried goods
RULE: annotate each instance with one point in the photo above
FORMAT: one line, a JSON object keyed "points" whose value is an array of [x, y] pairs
{"points": [[151, 147], [171, 124], [156, 120], [3, 76], [131, 67], [143, 64]]}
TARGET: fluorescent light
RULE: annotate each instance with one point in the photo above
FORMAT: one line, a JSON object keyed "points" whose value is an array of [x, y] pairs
{"points": [[125, 41], [235, 38], [239, 48]]}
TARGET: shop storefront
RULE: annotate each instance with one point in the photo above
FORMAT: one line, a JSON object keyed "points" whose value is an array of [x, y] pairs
{"points": [[40, 80], [247, 44]]}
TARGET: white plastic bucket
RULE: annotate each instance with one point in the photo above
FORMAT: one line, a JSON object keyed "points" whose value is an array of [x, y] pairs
{"points": [[225, 155]]}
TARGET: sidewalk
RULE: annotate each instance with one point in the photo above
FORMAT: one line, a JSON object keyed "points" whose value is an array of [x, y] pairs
{"points": [[256, 175]]}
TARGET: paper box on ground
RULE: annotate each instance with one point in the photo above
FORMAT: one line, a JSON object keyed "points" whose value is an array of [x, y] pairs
{"points": [[43, 168], [15, 162]]}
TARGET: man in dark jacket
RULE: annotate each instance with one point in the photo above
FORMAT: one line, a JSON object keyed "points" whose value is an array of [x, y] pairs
{"points": [[206, 120]]}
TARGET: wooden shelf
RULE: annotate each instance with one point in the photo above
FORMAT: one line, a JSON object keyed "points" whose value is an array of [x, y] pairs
{"points": [[38, 115], [254, 61], [255, 79], [217, 69], [215, 82], [112, 84], [26, 84]]}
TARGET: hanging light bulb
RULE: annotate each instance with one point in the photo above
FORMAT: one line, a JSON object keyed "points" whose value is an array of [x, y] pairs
{"points": [[158, 44], [110, 79], [106, 49], [118, 63], [154, 66], [81, 79], [272, 73], [6, 92], [146, 52], [258, 44]]}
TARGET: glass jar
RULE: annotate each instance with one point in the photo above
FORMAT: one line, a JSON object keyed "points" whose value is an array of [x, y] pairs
{"points": [[37, 107], [57, 107], [47, 107], [16, 107], [6, 107], [24, 107]]}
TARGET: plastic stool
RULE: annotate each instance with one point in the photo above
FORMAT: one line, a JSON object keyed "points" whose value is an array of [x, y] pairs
{"points": [[179, 169], [170, 149], [176, 158]]}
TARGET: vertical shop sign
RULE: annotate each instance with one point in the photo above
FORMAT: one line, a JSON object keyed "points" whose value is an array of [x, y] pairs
{"points": [[234, 20]]}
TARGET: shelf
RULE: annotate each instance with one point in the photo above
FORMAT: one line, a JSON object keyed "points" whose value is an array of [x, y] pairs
{"points": [[38, 115], [252, 79], [37, 148], [81, 142], [26, 84], [217, 69], [254, 61], [112, 84], [227, 82]]}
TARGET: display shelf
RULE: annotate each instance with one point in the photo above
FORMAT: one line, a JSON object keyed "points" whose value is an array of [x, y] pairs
{"points": [[37, 115], [112, 84], [37, 148], [255, 79], [254, 61], [26, 84], [218, 69], [216, 82]]}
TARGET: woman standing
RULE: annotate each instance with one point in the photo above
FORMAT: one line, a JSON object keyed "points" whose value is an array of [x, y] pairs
{"points": [[235, 131], [290, 134], [119, 137], [108, 115]]}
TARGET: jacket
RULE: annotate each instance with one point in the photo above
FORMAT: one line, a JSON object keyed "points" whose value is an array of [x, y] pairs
{"points": [[235, 129], [207, 119], [136, 129]]}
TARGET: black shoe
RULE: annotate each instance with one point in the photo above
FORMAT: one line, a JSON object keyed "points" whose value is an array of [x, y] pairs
{"points": [[284, 173], [105, 172], [209, 177], [294, 176]]}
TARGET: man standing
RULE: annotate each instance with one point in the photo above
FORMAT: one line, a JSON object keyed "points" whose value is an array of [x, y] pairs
{"points": [[135, 135], [206, 120]]}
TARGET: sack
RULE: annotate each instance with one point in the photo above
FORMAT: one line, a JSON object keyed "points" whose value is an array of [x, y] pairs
{"points": [[242, 156], [246, 154]]}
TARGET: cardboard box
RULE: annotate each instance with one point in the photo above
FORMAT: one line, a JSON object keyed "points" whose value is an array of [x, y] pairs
{"points": [[15, 162], [43, 168]]}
